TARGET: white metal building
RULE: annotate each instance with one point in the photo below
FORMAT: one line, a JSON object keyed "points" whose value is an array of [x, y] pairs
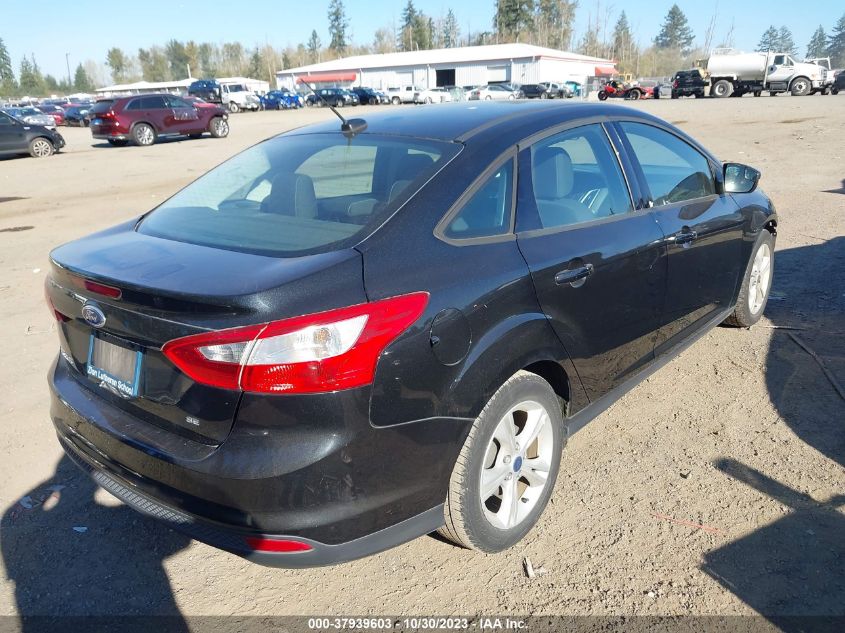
{"points": [[178, 86], [464, 66]]}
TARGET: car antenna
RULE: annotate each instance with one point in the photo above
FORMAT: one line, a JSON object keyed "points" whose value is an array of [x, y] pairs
{"points": [[349, 127]]}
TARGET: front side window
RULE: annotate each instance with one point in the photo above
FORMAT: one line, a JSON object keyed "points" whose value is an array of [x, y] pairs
{"points": [[296, 195], [673, 169], [488, 212], [576, 178]]}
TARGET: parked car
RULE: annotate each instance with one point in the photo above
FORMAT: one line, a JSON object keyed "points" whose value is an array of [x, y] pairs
{"points": [[144, 118], [31, 115], [558, 90], [77, 115], [838, 83], [492, 92], [368, 96], [688, 83], [260, 363], [331, 96], [432, 95], [350, 97], [574, 86], [281, 100], [405, 94], [54, 111], [536, 91], [19, 137]]}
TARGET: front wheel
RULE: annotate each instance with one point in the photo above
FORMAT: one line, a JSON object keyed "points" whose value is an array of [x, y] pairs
{"points": [[218, 127], [506, 471], [41, 148], [800, 87], [234, 107], [722, 88], [754, 293], [602, 95], [395, 101]]}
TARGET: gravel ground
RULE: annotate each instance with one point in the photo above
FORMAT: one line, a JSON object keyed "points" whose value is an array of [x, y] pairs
{"points": [[715, 487]]}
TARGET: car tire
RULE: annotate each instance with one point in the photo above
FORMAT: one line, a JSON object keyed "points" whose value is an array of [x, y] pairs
{"points": [[40, 147], [234, 107], [218, 127], [758, 93], [117, 142], [834, 91], [143, 134], [756, 283], [800, 87], [602, 95], [487, 524], [543, 95], [633, 95], [721, 89], [395, 101], [511, 97]]}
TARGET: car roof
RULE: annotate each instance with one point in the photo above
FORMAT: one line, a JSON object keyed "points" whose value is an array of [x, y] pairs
{"points": [[463, 120]]}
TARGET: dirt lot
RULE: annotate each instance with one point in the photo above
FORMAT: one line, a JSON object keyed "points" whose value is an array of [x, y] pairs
{"points": [[716, 487]]}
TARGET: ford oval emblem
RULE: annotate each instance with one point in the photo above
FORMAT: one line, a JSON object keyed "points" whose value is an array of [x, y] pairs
{"points": [[93, 315]]}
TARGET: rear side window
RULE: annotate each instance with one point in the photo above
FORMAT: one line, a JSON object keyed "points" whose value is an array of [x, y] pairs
{"points": [[297, 195], [488, 212], [152, 103], [673, 169]]}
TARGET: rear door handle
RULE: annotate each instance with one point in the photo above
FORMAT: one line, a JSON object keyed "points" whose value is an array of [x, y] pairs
{"points": [[573, 275], [685, 237]]}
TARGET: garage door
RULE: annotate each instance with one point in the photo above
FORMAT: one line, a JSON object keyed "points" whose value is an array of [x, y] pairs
{"points": [[498, 73]]}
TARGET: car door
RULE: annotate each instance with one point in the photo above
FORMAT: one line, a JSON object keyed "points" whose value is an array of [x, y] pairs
{"points": [[12, 137], [596, 262], [154, 110], [702, 228], [182, 116]]}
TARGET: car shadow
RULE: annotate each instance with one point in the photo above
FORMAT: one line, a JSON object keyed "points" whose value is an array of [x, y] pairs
{"points": [[70, 556], [795, 566]]}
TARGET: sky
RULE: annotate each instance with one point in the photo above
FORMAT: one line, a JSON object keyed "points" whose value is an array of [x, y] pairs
{"points": [[91, 28]]}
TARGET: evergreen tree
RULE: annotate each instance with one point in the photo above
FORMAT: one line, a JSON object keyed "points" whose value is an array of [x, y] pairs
{"points": [[338, 24], [31, 81], [410, 17], [81, 81], [675, 32], [623, 41], [818, 44], [836, 44], [256, 65], [451, 32], [553, 22], [513, 18], [770, 40], [314, 46], [8, 85], [786, 44], [117, 62]]}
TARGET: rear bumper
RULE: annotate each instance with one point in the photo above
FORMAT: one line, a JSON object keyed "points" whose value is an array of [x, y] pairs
{"points": [[293, 467]]}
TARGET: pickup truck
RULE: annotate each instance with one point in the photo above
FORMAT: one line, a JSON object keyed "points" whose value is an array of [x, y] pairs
{"points": [[405, 94]]}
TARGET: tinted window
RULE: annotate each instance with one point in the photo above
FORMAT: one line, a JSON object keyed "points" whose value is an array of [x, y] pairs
{"points": [[295, 195], [5, 119], [673, 170], [102, 106], [488, 212], [576, 178], [152, 103]]}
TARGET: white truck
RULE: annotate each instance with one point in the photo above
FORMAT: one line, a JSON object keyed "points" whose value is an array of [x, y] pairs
{"points": [[824, 62], [236, 97], [730, 72]]}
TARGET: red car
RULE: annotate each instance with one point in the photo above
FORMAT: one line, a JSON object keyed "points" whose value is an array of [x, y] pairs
{"points": [[54, 111], [144, 118]]}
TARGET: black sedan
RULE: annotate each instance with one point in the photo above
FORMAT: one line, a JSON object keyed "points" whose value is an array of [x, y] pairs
{"points": [[534, 91], [349, 336], [78, 115], [17, 137]]}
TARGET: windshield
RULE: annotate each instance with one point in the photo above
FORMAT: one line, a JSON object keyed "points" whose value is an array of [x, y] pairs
{"points": [[235, 88], [298, 195], [101, 106]]}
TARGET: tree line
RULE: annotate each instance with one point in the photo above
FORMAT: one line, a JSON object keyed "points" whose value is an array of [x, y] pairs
{"points": [[547, 23]]}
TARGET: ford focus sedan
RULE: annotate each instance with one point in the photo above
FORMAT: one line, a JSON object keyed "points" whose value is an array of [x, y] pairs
{"points": [[346, 337]]}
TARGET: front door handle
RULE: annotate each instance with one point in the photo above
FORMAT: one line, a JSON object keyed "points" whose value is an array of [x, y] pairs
{"points": [[574, 275], [685, 237]]}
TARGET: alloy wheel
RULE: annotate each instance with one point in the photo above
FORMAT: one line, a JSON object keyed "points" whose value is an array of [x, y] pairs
{"points": [[761, 276], [516, 465], [41, 148]]}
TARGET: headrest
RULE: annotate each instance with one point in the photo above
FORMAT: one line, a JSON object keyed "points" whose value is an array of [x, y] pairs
{"points": [[553, 175], [291, 194]]}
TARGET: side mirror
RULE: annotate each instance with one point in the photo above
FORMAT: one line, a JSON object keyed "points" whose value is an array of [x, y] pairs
{"points": [[740, 178]]}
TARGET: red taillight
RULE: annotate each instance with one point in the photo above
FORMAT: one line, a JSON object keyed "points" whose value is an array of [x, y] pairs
{"points": [[264, 544], [328, 351]]}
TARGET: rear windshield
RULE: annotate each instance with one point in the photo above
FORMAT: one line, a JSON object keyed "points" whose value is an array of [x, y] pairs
{"points": [[298, 195], [101, 106]]}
